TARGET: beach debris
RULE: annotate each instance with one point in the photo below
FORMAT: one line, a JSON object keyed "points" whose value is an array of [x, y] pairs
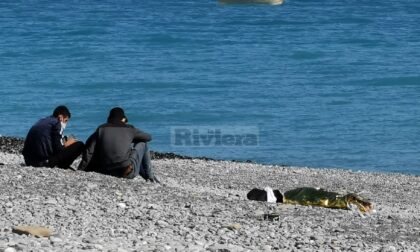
{"points": [[94, 186], [233, 227], [259, 213], [389, 248], [56, 239], [50, 201], [32, 230], [262, 215], [121, 205], [310, 196], [271, 216]]}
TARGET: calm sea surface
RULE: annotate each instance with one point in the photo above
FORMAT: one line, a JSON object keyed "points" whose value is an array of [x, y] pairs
{"points": [[326, 83]]}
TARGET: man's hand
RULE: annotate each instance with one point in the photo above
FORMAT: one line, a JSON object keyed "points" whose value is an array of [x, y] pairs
{"points": [[128, 171], [69, 142]]}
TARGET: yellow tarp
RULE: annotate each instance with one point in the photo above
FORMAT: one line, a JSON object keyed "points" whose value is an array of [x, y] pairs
{"points": [[309, 196]]}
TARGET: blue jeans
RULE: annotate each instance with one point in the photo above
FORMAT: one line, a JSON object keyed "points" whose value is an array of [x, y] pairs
{"points": [[141, 161]]}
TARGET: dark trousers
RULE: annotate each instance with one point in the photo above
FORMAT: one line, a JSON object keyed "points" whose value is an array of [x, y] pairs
{"points": [[62, 160], [65, 158], [141, 162]]}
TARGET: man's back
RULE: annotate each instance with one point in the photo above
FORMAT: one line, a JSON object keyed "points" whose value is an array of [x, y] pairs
{"points": [[118, 149], [114, 145], [43, 140]]}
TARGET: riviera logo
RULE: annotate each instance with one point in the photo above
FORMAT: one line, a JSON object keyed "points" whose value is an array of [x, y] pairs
{"points": [[206, 136]]}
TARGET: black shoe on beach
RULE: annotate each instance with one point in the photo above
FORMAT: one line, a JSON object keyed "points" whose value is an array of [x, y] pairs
{"points": [[154, 180]]}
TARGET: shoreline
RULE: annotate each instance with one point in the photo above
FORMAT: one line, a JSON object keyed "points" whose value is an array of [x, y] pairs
{"points": [[15, 145], [202, 206]]}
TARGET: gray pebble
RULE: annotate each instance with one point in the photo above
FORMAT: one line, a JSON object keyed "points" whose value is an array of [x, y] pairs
{"points": [[388, 249]]}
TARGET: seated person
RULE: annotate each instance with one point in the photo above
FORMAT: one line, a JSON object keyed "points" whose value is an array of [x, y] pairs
{"points": [[308, 196], [45, 145], [118, 149]]}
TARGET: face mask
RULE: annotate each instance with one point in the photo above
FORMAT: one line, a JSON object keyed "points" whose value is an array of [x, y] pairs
{"points": [[63, 126]]}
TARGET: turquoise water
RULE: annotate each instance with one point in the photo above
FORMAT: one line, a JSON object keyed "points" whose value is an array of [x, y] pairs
{"points": [[327, 83]]}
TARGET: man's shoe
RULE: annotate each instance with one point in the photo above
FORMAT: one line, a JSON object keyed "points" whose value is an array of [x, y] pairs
{"points": [[45, 163], [154, 180], [72, 168]]}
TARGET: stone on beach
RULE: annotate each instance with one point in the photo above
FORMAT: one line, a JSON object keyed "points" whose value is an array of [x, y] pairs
{"points": [[235, 226], [32, 230]]}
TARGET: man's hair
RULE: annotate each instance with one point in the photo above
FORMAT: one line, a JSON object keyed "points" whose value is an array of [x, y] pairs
{"points": [[116, 115], [62, 110]]}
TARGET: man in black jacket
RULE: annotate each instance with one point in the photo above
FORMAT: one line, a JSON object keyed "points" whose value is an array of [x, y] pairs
{"points": [[118, 149], [45, 144]]}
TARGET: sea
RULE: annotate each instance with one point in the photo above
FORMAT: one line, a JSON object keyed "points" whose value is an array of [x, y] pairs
{"points": [[323, 84]]}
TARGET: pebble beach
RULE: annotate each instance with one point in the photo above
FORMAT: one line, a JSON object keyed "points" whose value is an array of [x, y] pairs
{"points": [[200, 206]]}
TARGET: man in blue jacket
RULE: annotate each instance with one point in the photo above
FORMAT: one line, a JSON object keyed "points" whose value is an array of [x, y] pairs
{"points": [[118, 149], [45, 145]]}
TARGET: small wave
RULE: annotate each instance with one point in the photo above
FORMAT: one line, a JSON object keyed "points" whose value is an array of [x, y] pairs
{"points": [[165, 39], [10, 54], [394, 81], [352, 20], [306, 55], [269, 2], [339, 102], [86, 32]]}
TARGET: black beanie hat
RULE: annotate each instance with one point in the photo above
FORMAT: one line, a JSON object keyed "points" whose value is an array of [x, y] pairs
{"points": [[116, 115]]}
